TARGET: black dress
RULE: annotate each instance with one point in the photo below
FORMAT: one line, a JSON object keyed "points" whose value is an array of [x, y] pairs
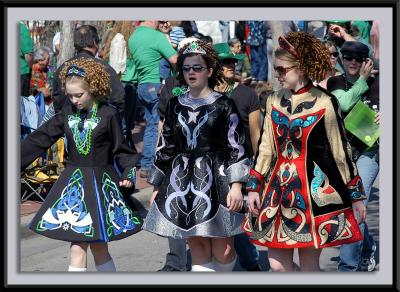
{"points": [[85, 203], [201, 151]]}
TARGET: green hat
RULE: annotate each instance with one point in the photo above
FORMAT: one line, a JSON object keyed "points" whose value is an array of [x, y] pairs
{"points": [[224, 52]]}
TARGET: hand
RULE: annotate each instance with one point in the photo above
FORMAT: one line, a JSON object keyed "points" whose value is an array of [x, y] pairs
{"points": [[45, 91], [336, 30], [153, 195], [378, 118], [125, 183], [253, 201], [359, 211], [366, 68], [234, 198]]}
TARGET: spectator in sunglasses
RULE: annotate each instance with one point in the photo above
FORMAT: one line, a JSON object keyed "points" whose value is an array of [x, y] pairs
{"points": [[358, 83], [334, 54]]}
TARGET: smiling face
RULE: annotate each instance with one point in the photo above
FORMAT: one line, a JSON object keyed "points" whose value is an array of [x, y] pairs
{"points": [[228, 65], [334, 56], [78, 93], [352, 65], [196, 80], [287, 73]]}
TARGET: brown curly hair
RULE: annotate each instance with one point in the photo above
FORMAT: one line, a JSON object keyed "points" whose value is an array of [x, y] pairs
{"points": [[96, 77], [211, 59], [314, 56]]}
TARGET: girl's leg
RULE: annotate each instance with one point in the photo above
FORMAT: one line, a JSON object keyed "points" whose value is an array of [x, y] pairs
{"points": [[281, 259], [102, 258], [78, 257], [309, 259], [224, 255], [200, 249]]}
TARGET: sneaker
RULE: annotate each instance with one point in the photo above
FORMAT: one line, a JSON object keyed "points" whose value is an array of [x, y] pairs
{"points": [[144, 173], [368, 264], [168, 268], [256, 268]]}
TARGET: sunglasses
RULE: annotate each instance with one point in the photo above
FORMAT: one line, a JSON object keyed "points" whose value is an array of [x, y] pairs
{"points": [[196, 68], [282, 71], [351, 58], [335, 54]]}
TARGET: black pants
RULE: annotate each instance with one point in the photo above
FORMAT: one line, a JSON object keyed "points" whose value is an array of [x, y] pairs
{"points": [[25, 80]]}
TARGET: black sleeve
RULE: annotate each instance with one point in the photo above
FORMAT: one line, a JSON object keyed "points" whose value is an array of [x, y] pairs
{"points": [[40, 140], [233, 141], [166, 95], [125, 155], [58, 97], [117, 97], [254, 102]]}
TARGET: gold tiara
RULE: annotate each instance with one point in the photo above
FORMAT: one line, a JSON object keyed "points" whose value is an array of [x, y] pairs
{"points": [[194, 48]]}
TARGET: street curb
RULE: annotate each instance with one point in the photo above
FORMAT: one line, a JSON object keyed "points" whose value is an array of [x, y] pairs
{"points": [[140, 200]]}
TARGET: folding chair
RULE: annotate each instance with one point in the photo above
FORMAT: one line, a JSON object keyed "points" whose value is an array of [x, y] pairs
{"points": [[37, 181]]}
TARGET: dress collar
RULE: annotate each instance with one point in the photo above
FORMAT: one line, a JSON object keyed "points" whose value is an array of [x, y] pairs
{"points": [[303, 89]]}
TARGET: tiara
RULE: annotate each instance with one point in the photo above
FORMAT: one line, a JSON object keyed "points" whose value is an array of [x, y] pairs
{"points": [[284, 44], [194, 48], [76, 71]]}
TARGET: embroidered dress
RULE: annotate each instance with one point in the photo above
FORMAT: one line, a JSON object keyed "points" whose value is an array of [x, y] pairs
{"points": [[201, 151], [86, 203], [304, 174]]}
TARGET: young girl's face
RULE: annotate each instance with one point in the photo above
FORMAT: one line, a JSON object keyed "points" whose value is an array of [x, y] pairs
{"points": [[195, 72], [79, 95], [286, 73]]}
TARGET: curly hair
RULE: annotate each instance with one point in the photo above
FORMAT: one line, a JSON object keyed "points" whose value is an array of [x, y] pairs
{"points": [[314, 56], [210, 58], [96, 77]]}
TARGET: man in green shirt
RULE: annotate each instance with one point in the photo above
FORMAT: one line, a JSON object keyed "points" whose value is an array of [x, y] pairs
{"points": [[25, 64], [147, 46]]}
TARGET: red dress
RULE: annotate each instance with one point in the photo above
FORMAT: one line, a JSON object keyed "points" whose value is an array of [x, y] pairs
{"points": [[305, 175]]}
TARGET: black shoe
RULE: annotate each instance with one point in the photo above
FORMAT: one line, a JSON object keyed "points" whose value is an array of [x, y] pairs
{"points": [[256, 268], [168, 269]]}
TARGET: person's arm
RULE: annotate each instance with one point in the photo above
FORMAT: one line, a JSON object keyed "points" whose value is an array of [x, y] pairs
{"points": [[340, 32], [29, 59], [347, 99], [255, 129], [173, 60], [341, 152], [41, 139], [125, 155]]}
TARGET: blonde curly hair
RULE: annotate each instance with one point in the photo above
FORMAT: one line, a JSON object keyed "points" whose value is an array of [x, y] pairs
{"points": [[96, 79], [313, 56]]}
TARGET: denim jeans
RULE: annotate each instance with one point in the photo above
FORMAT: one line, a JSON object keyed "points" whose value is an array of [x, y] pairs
{"points": [[351, 254], [246, 251], [259, 62], [177, 257], [148, 96], [165, 69]]}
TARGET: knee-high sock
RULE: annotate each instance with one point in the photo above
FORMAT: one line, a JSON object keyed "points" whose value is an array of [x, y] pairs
{"points": [[219, 267], [208, 267], [74, 269], [106, 267]]}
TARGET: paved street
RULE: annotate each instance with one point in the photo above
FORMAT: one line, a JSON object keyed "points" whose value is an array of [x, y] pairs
{"points": [[145, 251]]}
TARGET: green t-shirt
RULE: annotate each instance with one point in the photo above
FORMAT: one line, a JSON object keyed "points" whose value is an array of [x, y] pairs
{"points": [[147, 47], [26, 46], [130, 73]]}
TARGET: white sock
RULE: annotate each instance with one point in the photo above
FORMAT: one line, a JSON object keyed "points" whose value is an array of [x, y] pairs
{"points": [[224, 267], [208, 267], [74, 269], [106, 267]]}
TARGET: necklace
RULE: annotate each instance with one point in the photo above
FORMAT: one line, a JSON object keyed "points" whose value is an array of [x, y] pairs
{"points": [[83, 144], [228, 88]]}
